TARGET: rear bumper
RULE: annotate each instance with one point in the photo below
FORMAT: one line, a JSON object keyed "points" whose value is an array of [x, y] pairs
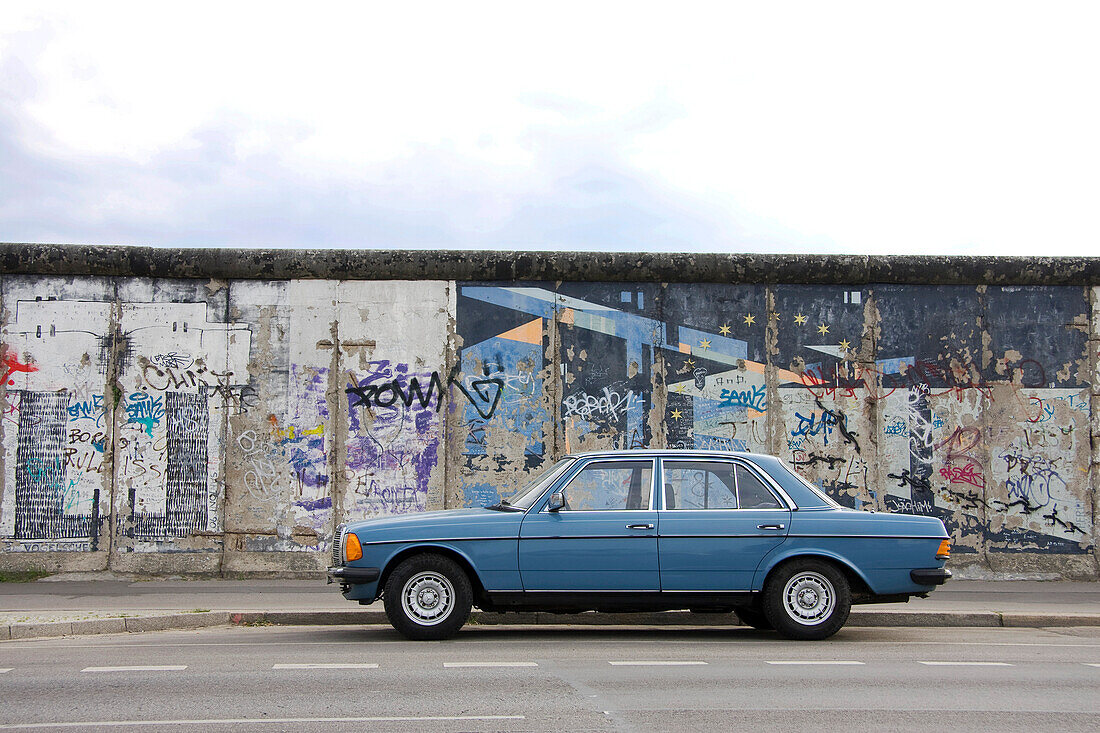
{"points": [[930, 576], [353, 576]]}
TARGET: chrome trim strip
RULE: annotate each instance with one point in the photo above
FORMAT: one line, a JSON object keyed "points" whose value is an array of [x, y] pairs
{"points": [[710, 511], [761, 533], [597, 511], [660, 536], [601, 590], [871, 536], [594, 590], [710, 590], [652, 536], [436, 539]]}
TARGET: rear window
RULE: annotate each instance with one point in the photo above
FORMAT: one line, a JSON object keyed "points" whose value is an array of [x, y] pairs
{"points": [[805, 494]]}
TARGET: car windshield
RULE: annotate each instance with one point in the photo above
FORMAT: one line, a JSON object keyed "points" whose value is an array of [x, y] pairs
{"points": [[524, 498]]}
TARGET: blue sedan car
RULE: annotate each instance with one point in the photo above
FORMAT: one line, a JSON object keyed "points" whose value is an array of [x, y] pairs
{"points": [[645, 530]]}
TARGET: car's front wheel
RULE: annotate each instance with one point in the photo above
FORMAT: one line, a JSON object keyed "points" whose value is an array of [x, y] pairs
{"points": [[428, 597], [807, 599]]}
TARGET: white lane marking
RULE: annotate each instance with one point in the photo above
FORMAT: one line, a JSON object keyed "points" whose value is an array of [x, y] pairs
{"points": [[656, 663], [260, 721], [6, 669], [458, 665], [324, 666], [818, 662], [966, 664], [139, 668], [1087, 664]]}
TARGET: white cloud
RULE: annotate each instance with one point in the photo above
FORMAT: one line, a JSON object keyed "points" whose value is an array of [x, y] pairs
{"points": [[796, 127]]}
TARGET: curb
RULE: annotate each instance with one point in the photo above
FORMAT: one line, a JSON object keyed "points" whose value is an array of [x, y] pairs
{"points": [[184, 621]]}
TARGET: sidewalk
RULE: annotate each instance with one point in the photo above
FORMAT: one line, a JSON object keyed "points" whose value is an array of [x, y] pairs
{"points": [[64, 607]]}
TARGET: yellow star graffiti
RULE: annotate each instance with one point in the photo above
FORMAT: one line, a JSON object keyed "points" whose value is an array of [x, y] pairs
{"points": [[690, 362], [844, 344], [678, 388], [724, 330], [704, 344], [823, 329], [676, 414], [749, 319], [800, 319]]}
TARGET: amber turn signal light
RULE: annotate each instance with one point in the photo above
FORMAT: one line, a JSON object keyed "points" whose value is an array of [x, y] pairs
{"points": [[941, 554], [352, 549]]}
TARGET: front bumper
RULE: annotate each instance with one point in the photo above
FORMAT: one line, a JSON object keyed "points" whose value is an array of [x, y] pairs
{"points": [[353, 576], [930, 576]]}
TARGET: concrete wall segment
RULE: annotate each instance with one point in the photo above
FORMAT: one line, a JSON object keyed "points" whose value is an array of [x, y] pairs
{"points": [[211, 423]]}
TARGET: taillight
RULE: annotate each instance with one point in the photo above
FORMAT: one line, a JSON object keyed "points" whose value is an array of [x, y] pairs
{"points": [[941, 554], [352, 549]]}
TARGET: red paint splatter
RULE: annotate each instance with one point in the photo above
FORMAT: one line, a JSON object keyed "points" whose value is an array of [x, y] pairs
{"points": [[12, 365]]}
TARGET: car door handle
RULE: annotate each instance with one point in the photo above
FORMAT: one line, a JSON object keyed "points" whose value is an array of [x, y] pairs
{"points": [[639, 526], [769, 526]]}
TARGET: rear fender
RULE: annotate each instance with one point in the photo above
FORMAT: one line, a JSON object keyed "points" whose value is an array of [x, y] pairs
{"points": [[783, 553]]}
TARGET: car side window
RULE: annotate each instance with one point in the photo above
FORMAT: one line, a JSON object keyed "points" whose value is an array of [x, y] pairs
{"points": [[699, 485], [753, 493], [610, 486]]}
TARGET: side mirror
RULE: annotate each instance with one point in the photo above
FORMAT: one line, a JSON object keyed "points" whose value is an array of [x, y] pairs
{"points": [[557, 501]]}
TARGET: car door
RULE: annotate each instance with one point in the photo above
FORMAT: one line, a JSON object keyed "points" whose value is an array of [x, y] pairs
{"points": [[603, 539], [718, 520]]}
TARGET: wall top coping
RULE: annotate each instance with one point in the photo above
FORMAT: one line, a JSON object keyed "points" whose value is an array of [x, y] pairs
{"points": [[506, 266]]}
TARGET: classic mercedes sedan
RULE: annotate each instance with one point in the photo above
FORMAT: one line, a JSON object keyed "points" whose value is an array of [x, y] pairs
{"points": [[645, 530]]}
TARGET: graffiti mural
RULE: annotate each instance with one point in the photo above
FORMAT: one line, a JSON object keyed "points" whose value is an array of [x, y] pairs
{"points": [[153, 424], [244, 420]]}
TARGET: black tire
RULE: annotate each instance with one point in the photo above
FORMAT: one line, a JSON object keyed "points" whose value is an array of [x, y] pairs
{"points": [[807, 599], [753, 617], [428, 597]]}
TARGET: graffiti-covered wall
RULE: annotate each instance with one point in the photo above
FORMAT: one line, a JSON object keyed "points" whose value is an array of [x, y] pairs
{"points": [[206, 425]]}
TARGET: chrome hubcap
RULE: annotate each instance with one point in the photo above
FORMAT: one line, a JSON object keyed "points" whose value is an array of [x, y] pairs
{"points": [[809, 598], [428, 598]]}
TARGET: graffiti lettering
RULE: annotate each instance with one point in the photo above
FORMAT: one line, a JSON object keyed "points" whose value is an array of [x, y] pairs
{"points": [[823, 425], [1056, 521], [172, 360], [481, 392], [908, 506], [611, 405], [813, 459], [756, 398], [145, 410], [968, 474]]}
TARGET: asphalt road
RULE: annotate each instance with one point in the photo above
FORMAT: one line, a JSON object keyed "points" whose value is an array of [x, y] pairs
{"points": [[557, 678]]}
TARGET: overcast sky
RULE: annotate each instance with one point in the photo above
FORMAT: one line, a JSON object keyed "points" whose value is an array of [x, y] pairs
{"points": [[869, 128]]}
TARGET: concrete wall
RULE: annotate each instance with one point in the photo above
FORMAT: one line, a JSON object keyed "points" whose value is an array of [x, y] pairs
{"points": [[174, 412]]}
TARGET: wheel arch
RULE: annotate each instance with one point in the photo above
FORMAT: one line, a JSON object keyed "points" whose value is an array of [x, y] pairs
{"points": [[857, 581], [436, 549]]}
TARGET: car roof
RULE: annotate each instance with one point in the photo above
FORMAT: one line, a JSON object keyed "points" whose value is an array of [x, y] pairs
{"points": [[653, 452]]}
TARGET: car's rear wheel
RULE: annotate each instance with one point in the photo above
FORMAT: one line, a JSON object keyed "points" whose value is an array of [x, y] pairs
{"points": [[807, 599], [753, 617], [428, 597]]}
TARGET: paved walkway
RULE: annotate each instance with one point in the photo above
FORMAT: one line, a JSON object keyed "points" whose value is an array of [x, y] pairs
{"points": [[61, 607]]}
